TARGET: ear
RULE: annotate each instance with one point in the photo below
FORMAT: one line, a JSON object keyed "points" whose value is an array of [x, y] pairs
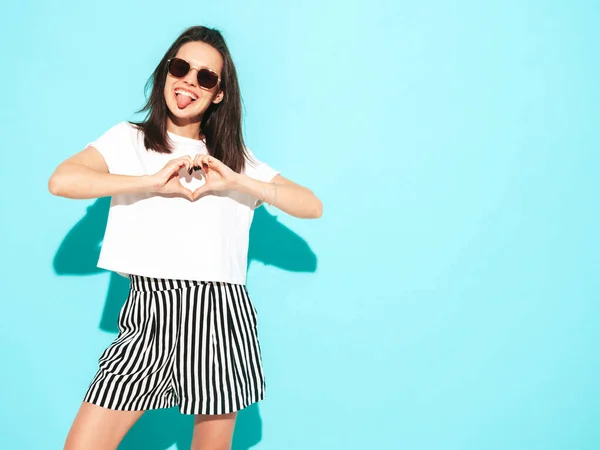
{"points": [[219, 97]]}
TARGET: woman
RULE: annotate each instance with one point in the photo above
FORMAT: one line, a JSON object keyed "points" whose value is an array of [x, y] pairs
{"points": [[184, 188]]}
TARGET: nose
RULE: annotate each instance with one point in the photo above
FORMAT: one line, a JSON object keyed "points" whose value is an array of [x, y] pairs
{"points": [[191, 77]]}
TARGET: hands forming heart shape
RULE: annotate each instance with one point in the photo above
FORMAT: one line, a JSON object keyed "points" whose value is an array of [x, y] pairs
{"points": [[218, 176]]}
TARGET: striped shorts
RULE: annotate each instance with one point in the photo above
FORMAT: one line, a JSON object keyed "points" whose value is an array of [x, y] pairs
{"points": [[190, 344]]}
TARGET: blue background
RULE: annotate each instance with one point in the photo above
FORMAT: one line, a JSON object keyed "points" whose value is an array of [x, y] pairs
{"points": [[447, 299]]}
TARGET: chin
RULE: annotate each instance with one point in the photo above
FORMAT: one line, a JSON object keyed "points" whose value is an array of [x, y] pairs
{"points": [[185, 114]]}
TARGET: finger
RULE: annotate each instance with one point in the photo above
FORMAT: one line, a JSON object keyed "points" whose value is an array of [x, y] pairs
{"points": [[193, 164], [214, 164], [185, 192], [186, 158], [214, 161], [172, 169], [179, 162], [201, 191], [187, 162], [176, 164], [205, 162]]}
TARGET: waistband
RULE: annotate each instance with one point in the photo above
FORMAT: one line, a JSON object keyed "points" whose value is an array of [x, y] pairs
{"points": [[148, 284]]}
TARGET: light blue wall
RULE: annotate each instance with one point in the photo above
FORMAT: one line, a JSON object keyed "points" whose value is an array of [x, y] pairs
{"points": [[448, 298]]}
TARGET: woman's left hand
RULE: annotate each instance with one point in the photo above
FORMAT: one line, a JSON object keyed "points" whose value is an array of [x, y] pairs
{"points": [[218, 176]]}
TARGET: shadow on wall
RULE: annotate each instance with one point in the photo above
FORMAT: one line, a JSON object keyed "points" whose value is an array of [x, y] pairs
{"points": [[270, 243]]}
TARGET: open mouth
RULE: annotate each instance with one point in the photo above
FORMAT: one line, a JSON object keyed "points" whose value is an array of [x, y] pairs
{"points": [[184, 98]]}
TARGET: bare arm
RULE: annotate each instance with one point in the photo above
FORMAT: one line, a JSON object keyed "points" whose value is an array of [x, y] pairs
{"points": [[85, 175], [290, 197]]}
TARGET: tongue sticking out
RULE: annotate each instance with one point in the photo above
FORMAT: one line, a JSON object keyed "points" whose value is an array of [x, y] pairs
{"points": [[183, 101]]}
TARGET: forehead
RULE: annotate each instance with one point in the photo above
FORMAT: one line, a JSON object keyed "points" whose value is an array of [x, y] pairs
{"points": [[200, 54]]}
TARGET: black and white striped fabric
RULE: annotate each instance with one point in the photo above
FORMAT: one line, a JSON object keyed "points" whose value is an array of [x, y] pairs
{"points": [[186, 343]]}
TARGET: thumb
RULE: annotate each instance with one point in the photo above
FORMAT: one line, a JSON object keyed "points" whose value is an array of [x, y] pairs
{"points": [[179, 189], [201, 191], [186, 193]]}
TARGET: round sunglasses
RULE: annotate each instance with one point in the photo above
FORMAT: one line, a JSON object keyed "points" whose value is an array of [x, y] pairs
{"points": [[179, 68]]}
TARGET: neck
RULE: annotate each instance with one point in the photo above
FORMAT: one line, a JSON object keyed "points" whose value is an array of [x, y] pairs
{"points": [[184, 127]]}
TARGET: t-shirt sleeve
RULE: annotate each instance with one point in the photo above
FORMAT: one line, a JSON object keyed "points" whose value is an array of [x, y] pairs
{"points": [[110, 145], [259, 170]]}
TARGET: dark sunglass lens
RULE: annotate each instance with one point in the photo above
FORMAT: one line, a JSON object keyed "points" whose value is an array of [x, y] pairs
{"points": [[207, 79], [178, 67]]}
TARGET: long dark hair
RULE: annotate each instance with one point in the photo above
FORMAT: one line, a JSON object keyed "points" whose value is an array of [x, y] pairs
{"points": [[221, 123]]}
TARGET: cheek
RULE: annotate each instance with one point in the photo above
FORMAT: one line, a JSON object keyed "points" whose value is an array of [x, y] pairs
{"points": [[202, 104], [168, 88]]}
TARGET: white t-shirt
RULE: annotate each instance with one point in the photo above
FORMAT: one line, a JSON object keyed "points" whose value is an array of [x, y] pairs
{"points": [[173, 237]]}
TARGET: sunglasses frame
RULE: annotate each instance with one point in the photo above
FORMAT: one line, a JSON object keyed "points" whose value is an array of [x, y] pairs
{"points": [[197, 69]]}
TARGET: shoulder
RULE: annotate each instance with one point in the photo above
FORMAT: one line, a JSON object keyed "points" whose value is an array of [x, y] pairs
{"points": [[120, 139], [251, 161], [126, 128], [121, 133], [258, 169]]}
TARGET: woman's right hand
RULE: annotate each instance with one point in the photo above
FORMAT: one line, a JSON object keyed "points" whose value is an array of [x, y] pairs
{"points": [[166, 180], [86, 175]]}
